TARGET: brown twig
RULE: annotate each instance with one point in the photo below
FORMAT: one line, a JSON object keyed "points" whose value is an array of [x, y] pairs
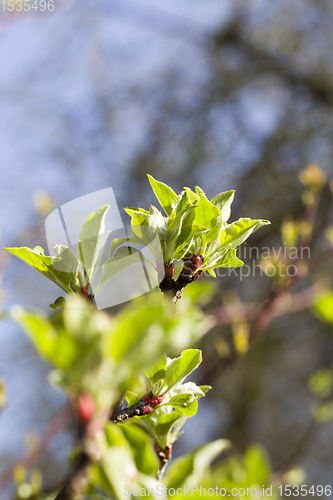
{"points": [[146, 405], [190, 272], [164, 458]]}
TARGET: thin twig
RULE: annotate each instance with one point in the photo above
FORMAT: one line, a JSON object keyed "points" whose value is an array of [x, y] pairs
{"points": [[164, 458]]}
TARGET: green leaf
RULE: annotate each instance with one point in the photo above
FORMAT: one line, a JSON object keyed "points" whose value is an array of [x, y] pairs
{"points": [[206, 212], [237, 232], [180, 368], [131, 398], [59, 302], [38, 328], [176, 429], [223, 201], [117, 242], [174, 228], [185, 403], [141, 219], [165, 195], [198, 190], [229, 259], [257, 465], [116, 265], [54, 345], [43, 266], [188, 233], [183, 201], [202, 293], [91, 240], [131, 210], [116, 468], [166, 421], [191, 468], [189, 388], [63, 265], [164, 426], [176, 235], [193, 196], [205, 388], [68, 262], [142, 448], [157, 371], [131, 334], [215, 229], [184, 399]]}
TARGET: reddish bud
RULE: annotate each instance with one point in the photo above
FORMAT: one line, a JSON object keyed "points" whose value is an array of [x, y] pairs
{"points": [[150, 399], [153, 209], [170, 270], [147, 398], [168, 451], [86, 407], [147, 410], [197, 262], [158, 400], [84, 290]]}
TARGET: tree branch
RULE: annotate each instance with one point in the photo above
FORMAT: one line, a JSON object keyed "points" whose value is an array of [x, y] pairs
{"points": [[146, 405]]}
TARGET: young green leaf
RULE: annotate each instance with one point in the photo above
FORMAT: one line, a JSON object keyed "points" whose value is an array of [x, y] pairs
{"points": [[179, 368], [206, 212], [198, 190], [174, 228], [41, 333], [205, 388], [193, 196], [123, 259], [182, 202], [237, 232], [211, 272], [131, 210], [191, 468], [165, 195], [157, 371], [189, 388], [223, 201], [185, 403], [174, 233], [228, 259], [59, 302], [165, 426], [142, 448], [44, 265], [92, 239], [214, 230]]}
